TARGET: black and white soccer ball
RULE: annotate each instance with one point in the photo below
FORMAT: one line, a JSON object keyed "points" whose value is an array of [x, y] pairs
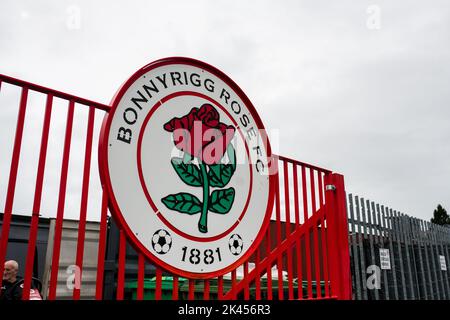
{"points": [[161, 241], [235, 244]]}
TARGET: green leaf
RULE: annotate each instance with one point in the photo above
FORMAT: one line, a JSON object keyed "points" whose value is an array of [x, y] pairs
{"points": [[221, 201], [183, 203], [189, 173], [220, 174]]}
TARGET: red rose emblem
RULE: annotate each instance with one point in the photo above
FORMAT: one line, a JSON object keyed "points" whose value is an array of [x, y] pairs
{"points": [[201, 134]]}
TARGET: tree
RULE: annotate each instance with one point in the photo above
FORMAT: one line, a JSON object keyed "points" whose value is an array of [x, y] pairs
{"points": [[440, 216]]}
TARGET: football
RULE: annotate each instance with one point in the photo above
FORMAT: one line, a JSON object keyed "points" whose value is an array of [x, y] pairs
{"points": [[161, 241], [235, 244]]}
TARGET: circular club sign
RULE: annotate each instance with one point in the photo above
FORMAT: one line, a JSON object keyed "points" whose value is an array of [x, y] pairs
{"points": [[185, 162]]}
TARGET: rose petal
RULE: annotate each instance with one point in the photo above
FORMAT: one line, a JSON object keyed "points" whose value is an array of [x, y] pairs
{"points": [[208, 115]]}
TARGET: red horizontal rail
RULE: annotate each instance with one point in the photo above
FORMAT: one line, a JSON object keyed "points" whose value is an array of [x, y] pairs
{"points": [[56, 93], [307, 165]]}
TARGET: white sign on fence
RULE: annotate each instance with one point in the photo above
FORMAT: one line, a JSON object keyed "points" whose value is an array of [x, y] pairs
{"points": [[443, 265], [385, 259]]}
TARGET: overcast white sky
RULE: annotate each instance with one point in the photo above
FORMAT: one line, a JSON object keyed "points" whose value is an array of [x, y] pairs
{"points": [[359, 87]]}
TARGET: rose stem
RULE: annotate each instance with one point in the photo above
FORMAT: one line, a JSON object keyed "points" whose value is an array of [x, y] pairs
{"points": [[202, 223]]}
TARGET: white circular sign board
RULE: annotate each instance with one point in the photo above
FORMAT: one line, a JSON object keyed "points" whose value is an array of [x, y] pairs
{"points": [[185, 162]]}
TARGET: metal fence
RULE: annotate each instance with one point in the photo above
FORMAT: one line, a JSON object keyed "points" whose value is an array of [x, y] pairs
{"points": [[394, 256], [308, 242]]}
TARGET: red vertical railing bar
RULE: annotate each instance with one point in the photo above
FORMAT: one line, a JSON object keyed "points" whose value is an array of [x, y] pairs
{"points": [[121, 269], [297, 225], [324, 238], [296, 204], [61, 203], [322, 226], [233, 284], [12, 179], [313, 191], [307, 234], [314, 209], [331, 237], [84, 199], [305, 195], [247, 287], [37, 200], [158, 288], [325, 257], [258, 279], [337, 236], [175, 288], [288, 228], [278, 231], [206, 289], [343, 247], [191, 289], [141, 276], [317, 260], [269, 267], [220, 287], [101, 247], [299, 270], [319, 179]]}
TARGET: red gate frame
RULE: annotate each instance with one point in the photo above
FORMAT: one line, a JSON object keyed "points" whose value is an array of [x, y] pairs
{"points": [[332, 212]]}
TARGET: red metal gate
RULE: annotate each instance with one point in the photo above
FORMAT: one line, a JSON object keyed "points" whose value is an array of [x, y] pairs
{"points": [[307, 240]]}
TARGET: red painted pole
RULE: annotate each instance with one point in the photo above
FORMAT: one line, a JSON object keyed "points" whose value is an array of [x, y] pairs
{"points": [[269, 267], [220, 288], [233, 284], [61, 202], [191, 289], [141, 274], [158, 289], [37, 200], [84, 199], [175, 288], [288, 229], [121, 271], [337, 237], [343, 245], [325, 258], [278, 234], [247, 284], [258, 279], [12, 179], [206, 289], [307, 234], [101, 247]]}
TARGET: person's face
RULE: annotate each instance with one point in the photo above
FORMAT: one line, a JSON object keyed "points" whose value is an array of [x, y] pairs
{"points": [[9, 272]]}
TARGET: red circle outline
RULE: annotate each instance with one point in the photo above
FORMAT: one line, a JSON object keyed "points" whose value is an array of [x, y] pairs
{"points": [[142, 180], [106, 179]]}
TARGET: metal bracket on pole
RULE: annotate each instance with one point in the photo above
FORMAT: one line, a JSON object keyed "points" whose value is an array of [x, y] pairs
{"points": [[330, 187]]}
